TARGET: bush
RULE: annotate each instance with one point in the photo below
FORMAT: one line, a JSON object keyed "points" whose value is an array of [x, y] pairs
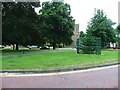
{"points": [[87, 44], [88, 49]]}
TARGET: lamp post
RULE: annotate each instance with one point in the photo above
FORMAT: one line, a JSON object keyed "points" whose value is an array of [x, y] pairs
{"points": [[78, 46], [98, 46]]}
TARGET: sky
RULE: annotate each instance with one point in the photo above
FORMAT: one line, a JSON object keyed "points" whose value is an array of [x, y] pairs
{"points": [[83, 10]]}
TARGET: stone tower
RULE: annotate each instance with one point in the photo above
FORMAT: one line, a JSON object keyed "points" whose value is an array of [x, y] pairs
{"points": [[75, 36]]}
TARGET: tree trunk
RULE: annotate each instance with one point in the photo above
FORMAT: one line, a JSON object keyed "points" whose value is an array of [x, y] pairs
{"points": [[54, 46], [17, 47]]}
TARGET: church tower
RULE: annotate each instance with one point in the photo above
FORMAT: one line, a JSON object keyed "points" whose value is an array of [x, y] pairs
{"points": [[76, 35]]}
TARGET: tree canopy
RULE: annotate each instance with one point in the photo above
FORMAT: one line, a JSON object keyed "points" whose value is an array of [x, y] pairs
{"points": [[19, 23], [101, 26], [118, 28], [22, 25], [58, 24], [118, 35]]}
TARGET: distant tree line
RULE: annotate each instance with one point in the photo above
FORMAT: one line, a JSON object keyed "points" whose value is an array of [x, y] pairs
{"points": [[21, 25]]}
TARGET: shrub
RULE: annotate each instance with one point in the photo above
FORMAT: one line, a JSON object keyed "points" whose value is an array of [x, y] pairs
{"points": [[87, 44]]}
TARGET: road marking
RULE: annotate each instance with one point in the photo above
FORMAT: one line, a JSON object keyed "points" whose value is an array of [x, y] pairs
{"points": [[56, 73]]}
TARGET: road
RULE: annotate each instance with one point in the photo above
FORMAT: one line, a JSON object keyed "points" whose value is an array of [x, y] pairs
{"points": [[35, 52], [106, 77]]}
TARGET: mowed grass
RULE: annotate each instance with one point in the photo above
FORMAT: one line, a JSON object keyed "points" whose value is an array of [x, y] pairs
{"points": [[13, 52], [56, 60]]}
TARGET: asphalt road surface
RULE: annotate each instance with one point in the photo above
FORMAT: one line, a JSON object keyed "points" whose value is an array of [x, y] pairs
{"points": [[106, 77]]}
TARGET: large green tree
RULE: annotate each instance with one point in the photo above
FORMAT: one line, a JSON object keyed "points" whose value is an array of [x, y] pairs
{"points": [[58, 24], [118, 35], [101, 26], [118, 29], [87, 43], [20, 23], [82, 34]]}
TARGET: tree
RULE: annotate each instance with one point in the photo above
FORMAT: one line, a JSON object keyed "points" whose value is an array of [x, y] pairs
{"points": [[87, 43], [101, 26], [20, 23], [118, 35], [118, 29], [82, 34], [58, 24]]}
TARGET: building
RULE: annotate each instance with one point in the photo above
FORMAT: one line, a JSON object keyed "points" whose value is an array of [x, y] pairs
{"points": [[76, 35]]}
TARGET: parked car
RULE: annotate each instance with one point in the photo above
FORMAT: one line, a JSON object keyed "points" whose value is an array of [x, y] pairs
{"points": [[45, 47], [7, 47], [33, 46], [1, 46]]}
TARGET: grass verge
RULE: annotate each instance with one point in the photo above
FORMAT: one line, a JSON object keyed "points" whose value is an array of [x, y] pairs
{"points": [[57, 60]]}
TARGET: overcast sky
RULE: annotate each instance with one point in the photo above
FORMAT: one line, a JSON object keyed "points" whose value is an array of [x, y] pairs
{"points": [[83, 10]]}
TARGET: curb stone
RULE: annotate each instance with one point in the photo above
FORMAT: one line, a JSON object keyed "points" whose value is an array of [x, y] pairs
{"points": [[54, 70]]}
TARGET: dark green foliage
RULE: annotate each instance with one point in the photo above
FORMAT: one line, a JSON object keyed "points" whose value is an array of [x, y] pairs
{"points": [[22, 25], [19, 23], [82, 34], [87, 44], [118, 36], [101, 26], [58, 24], [118, 29]]}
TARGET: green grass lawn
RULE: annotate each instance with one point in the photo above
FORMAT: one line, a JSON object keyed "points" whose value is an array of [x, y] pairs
{"points": [[8, 52], [55, 60]]}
